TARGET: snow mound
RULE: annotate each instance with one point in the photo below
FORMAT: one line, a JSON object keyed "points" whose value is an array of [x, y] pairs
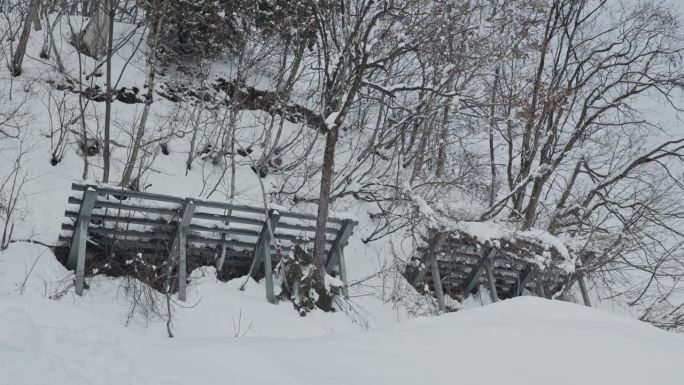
{"points": [[31, 269], [522, 341], [33, 353]]}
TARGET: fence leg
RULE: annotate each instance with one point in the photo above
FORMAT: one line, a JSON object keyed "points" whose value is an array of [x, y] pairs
{"points": [[262, 251], [179, 248], [335, 257], [182, 265], [523, 279], [437, 281], [541, 292], [343, 273], [492, 283], [77, 250]]}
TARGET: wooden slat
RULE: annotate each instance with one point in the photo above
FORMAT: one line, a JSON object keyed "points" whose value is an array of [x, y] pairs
{"points": [[103, 190], [228, 218], [159, 225], [129, 207], [259, 222], [168, 236], [142, 235], [160, 222], [246, 232], [192, 236], [245, 254]]}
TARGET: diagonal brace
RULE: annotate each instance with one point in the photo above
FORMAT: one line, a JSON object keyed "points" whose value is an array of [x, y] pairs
{"points": [[474, 278]]}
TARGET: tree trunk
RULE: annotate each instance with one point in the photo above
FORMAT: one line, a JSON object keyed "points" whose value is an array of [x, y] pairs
{"points": [[553, 223], [111, 10], [130, 165], [19, 54], [36, 18], [324, 202], [428, 125], [441, 154], [531, 211], [492, 127]]}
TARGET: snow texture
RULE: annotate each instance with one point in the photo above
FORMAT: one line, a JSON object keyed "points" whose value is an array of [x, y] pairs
{"points": [[522, 341]]}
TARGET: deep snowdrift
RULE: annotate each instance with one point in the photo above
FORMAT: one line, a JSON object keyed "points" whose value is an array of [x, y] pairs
{"points": [[521, 341]]}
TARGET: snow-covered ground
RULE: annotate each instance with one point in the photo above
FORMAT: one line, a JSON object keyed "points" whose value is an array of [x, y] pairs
{"points": [[522, 341]]}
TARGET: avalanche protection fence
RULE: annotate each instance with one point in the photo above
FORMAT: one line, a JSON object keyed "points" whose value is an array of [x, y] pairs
{"points": [[456, 264], [175, 233]]}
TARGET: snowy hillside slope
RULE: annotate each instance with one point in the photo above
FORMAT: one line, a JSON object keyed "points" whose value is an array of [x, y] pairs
{"points": [[522, 341], [44, 194]]}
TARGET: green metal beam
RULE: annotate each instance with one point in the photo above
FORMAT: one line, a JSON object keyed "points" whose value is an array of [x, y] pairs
{"points": [[262, 252], [77, 249]]}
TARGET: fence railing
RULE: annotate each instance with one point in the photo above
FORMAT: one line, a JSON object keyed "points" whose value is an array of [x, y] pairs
{"points": [[231, 234]]}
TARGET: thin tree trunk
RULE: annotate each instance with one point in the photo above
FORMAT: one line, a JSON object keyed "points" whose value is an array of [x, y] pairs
{"points": [[53, 46], [422, 147], [553, 223], [492, 127], [441, 154], [531, 211], [130, 165], [18, 58], [111, 10], [528, 149]]}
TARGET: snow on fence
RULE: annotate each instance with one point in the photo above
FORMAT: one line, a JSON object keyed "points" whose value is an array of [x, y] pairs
{"points": [[124, 225], [457, 261]]}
